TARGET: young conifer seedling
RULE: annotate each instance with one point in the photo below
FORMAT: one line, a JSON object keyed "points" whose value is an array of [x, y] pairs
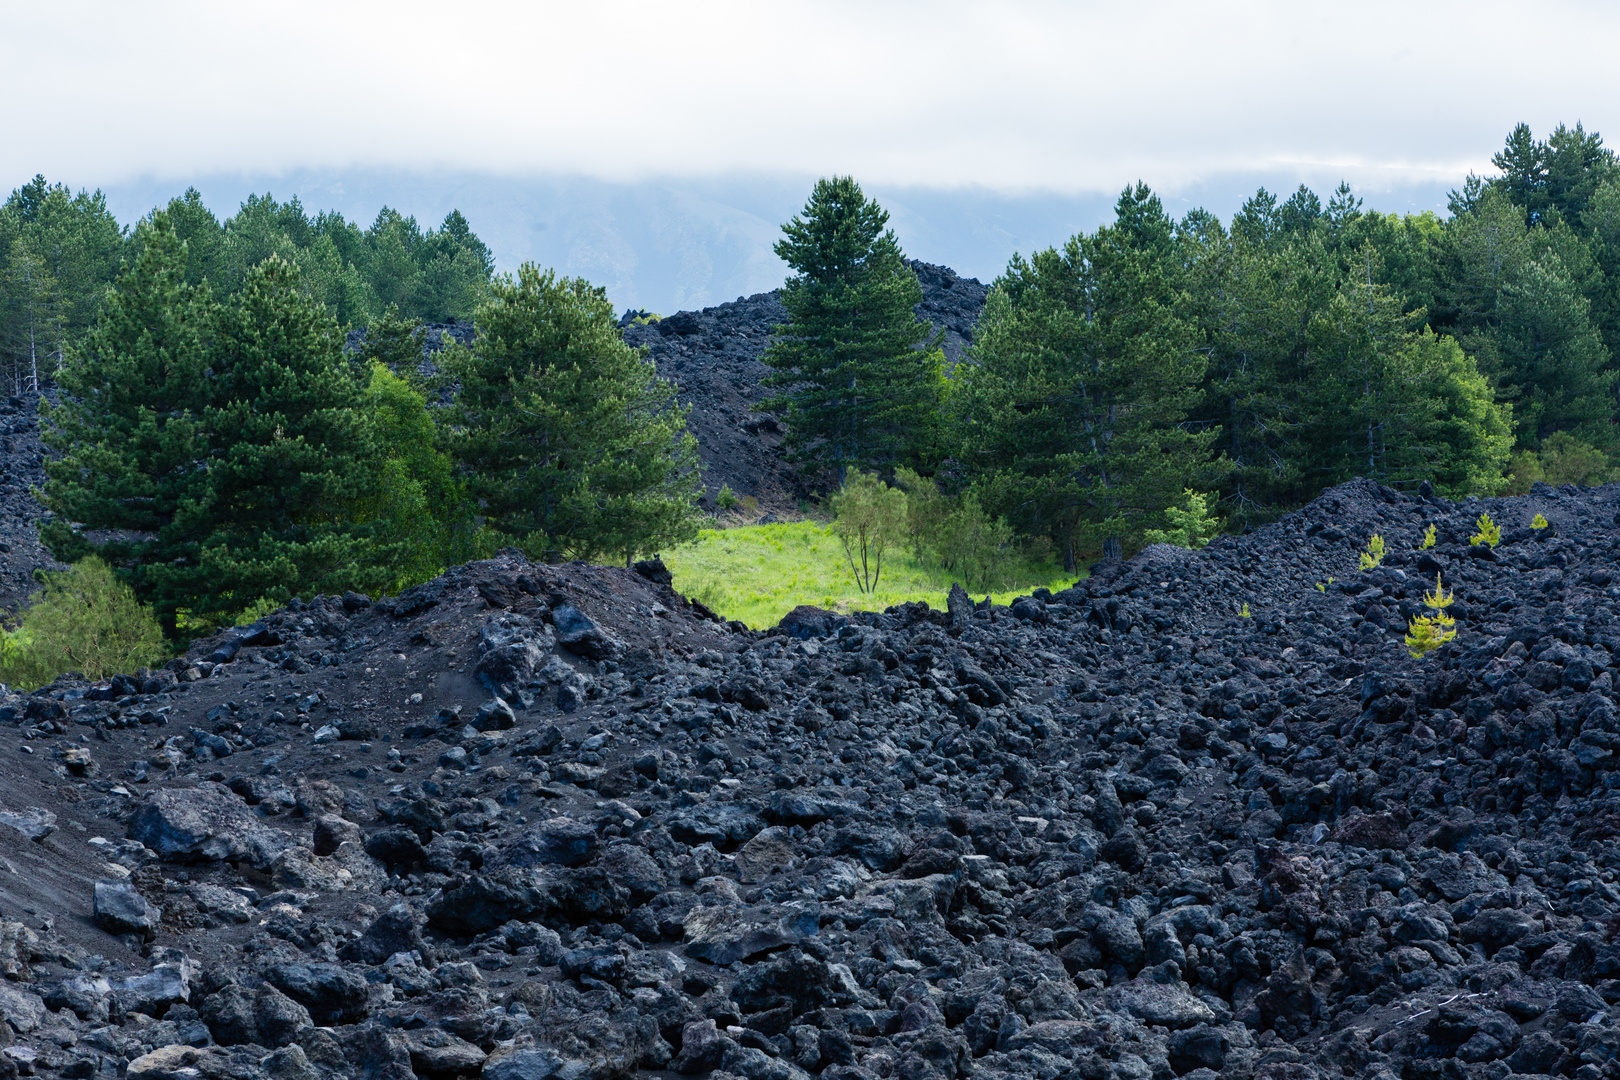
{"points": [[1428, 540], [1426, 633], [1539, 522], [1373, 557], [1490, 533], [1243, 612]]}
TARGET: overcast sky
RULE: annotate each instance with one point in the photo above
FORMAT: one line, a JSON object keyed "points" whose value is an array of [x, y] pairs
{"points": [[657, 147], [1064, 97]]}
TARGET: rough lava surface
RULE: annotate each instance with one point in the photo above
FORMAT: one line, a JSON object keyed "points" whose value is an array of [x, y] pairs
{"points": [[533, 821]]}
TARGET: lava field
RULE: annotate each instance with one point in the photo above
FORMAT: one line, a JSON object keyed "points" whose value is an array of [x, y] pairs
{"points": [[533, 821]]}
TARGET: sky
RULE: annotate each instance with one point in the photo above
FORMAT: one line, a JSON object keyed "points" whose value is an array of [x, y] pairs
{"points": [[660, 145]]}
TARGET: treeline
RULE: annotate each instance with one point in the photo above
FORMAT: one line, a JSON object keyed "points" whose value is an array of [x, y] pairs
{"points": [[221, 450], [59, 253], [1122, 375]]}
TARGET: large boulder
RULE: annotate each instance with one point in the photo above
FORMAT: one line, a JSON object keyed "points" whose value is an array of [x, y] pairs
{"points": [[397, 930], [478, 903], [120, 909], [332, 993], [204, 824], [579, 635], [511, 647]]}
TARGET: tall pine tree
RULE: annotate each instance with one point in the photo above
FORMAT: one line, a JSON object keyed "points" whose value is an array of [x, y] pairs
{"points": [[566, 433], [1071, 419], [862, 379]]}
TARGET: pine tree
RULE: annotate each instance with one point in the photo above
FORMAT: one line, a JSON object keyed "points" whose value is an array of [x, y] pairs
{"points": [[215, 456], [861, 375], [1072, 415], [129, 430], [295, 454], [566, 433]]}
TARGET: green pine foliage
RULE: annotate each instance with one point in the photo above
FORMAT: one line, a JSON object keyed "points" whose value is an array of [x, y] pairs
{"points": [[861, 376], [1191, 524], [83, 620], [1071, 416], [566, 434], [217, 455]]}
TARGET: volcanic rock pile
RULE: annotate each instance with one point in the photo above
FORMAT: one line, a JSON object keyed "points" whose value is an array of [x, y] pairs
{"points": [[536, 821]]}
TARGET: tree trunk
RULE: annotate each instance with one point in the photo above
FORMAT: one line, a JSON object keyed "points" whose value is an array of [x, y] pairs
{"points": [[1113, 550]]}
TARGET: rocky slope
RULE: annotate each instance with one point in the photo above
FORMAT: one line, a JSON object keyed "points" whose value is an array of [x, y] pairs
{"points": [[531, 821], [713, 356]]}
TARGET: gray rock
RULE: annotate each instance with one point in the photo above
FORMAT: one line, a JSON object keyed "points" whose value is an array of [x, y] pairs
{"points": [[204, 824], [556, 841], [533, 1063], [1159, 1003], [723, 934], [579, 635], [34, 823], [120, 909]]}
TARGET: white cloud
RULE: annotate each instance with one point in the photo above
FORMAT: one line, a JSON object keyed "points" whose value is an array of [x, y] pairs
{"points": [[1067, 97]]}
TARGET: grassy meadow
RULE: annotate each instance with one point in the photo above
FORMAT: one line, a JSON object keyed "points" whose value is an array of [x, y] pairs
{"points": [[758, 573]]}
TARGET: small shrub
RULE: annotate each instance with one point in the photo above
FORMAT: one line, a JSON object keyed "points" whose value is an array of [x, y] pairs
{"points": [[1489, 535], [1243, 612], [1373, 557], [1562, 459], [974, 546], [868, 515], [1539, 522], [1425, 633], [83, 620], [725, 498], [1193, 525], [1428, 539]]}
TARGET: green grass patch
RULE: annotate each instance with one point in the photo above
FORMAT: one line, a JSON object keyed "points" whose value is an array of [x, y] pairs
{"points": [[758, 573]]}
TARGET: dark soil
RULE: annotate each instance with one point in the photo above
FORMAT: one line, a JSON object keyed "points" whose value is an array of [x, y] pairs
{"points": [[1117, 831]]}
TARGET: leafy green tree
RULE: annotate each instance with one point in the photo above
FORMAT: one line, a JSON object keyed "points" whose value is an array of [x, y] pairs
{"points": [[1553, 362], [566, 434], [868, 516], [83, 620], [862, 378], [1071, 419]]}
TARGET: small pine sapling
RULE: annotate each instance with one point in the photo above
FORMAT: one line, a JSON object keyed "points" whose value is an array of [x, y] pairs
{"points": [[1426, 633], [726, 499], [1489, 535], [1373, 557], [1428, 540], [1243, 612], [1539, 522]]}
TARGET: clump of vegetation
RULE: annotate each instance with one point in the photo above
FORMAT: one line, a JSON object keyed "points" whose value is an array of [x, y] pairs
{"points": [[868, 515], [1562, 459], [83, 620], [725, 498], [1425, 633], [1538, 522], [1373, 557], [1428, 539], [1244, 612], [956, 533], [1193, 526], [1489, 534]]}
